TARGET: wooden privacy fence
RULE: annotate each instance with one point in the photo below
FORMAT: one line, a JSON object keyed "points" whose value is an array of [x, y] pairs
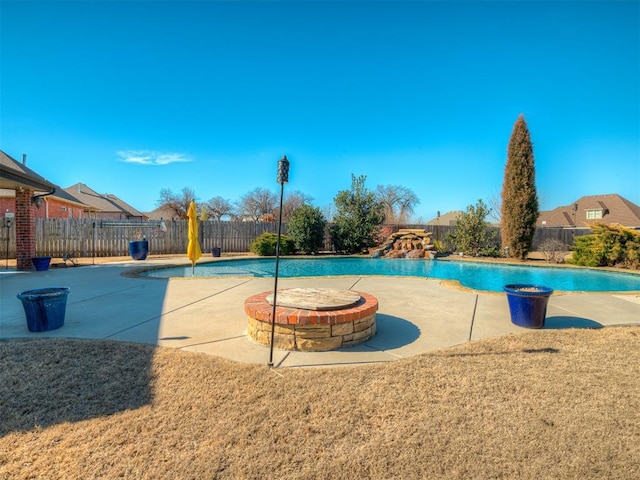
{"points": [[564, 235], [108, 238]]}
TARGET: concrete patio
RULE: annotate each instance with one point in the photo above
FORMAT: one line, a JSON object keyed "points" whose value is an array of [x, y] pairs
{"points": [[207, 315]]}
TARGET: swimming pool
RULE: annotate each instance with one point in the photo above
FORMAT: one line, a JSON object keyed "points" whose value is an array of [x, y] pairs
{"points": [[479, 276]]}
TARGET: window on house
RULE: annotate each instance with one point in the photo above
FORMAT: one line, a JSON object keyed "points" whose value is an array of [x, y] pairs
{"points": [[593, 214]]}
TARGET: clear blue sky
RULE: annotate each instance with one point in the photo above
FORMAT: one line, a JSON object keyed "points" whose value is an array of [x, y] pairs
{"points": [[133, 97]]}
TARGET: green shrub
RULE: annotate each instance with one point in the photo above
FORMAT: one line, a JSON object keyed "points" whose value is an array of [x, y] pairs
{"points": [[472, 234], [439, 246], [306, 229], [359, 214], [265, 245], [491, 250], [608, 245]]}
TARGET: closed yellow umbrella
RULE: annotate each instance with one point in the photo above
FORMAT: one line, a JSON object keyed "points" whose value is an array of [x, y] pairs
{"points": [[193, 249]]}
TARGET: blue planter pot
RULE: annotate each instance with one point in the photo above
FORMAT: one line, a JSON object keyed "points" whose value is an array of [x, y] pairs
{"points": [[528, 304], [215, 252], [139, 249], [44, 308], [41, 263]]}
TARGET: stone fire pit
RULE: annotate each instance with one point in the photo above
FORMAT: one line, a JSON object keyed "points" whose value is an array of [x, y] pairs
{"points": [[312, 319]]}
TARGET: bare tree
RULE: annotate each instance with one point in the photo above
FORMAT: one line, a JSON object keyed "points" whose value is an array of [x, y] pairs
{"points": [[398, 202], [329, 212], [177, 203], [495, 207], [292, 202], [408, 200], [219, 207], [388, 197], [257, 204]]}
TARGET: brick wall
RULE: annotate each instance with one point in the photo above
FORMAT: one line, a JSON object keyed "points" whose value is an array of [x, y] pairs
{"points": [[7, 204], [54, 208], [50, 208], [25, 230]]}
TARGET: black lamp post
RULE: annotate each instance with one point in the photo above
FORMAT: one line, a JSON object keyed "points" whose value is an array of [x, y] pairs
{"points": [[283, 177], [7, 224]]}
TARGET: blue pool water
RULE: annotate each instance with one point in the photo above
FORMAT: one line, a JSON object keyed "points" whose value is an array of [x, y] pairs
{"points": [[470, 274]]}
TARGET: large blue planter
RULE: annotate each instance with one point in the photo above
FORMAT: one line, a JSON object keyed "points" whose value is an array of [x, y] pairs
{"points": [[139, 249], [44, 308], [528, 304], [41, 263]]}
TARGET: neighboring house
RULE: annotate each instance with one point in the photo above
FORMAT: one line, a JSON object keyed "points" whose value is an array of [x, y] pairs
{"points": [[15, 175], [24, 182], [55, 205], [162, 213], [448, 219], [104, 206], [63, 205], [592, 209]]}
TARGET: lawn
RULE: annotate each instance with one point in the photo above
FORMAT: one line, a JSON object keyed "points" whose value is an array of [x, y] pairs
{"points": [[549, 404]]}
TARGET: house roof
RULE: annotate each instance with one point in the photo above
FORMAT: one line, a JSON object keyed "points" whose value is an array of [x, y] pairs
{"points": [[14, 174], [59, 194], [67, 197], [104, 203], [124, 206], [449, 218], [610, 208], [161, 213]]}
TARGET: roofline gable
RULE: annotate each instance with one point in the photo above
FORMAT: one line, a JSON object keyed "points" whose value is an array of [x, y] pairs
{"points": [[18, 175]]}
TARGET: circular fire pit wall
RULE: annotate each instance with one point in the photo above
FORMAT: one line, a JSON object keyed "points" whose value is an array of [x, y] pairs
{"points": [[312, 319]]}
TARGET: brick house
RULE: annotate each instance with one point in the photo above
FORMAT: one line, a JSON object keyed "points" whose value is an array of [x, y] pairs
{"points": [[25, 183], [56, 205], [104, 206], [592, 209]]}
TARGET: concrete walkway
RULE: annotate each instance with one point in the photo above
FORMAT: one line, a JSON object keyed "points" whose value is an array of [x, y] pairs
{"points": [[207, 315]]}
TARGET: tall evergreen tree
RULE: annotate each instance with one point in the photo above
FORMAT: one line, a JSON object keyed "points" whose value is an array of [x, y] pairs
{"points": [[519, 197]]}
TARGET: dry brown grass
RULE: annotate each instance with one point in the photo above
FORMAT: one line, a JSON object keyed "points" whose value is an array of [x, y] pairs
{"points": [[549, 404]]}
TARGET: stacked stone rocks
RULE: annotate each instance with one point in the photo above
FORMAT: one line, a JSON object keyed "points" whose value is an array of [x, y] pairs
{"points": [[407, 243]]}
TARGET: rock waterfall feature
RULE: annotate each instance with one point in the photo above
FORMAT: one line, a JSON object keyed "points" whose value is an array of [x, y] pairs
{"points": [[407, 243]]}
